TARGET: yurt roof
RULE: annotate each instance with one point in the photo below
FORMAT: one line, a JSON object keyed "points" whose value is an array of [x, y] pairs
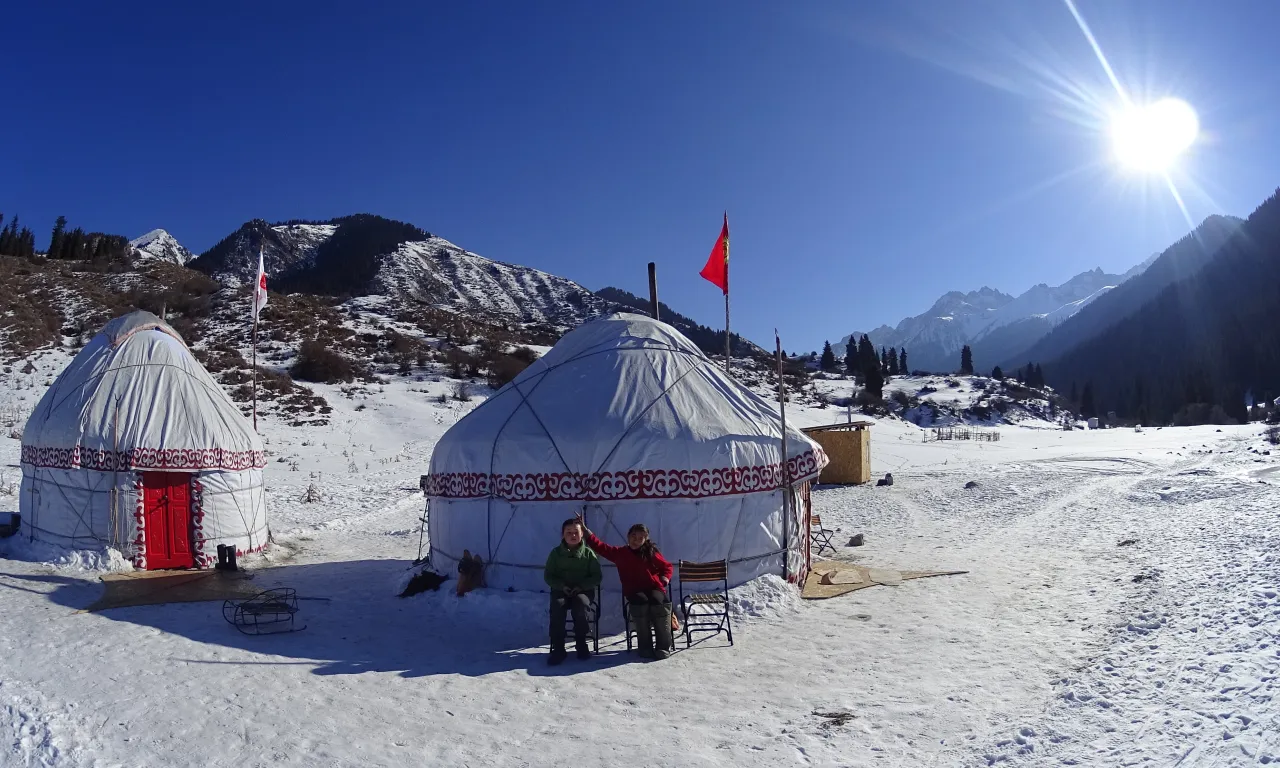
{"points": [[622, 407], [136, 398]]}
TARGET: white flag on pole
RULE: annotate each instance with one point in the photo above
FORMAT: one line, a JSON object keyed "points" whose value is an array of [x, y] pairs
{"points": [[260, 289]]}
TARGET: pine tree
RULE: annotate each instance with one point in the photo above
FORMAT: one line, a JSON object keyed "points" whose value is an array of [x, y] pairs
{"points": [[851, 356], [1040, 383], [1087, 408], [55, 240], [902, 362], [828, 362], [875, 383], [894, 370], [27, 243], [884, 362], [8, 238], [1075, 395], [966, 361], [866, 356], [997, 374]]}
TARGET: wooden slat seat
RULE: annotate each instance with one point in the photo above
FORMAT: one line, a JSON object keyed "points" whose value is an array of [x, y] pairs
{"points": [[715, 620]]}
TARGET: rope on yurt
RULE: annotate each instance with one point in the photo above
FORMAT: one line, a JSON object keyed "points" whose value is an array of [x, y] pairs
{"points": [[543, 373], [493, 457], [78, 513], [248, 526], [661, 395]]}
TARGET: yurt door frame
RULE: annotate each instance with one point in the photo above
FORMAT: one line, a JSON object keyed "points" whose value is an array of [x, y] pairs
{"points": [[167, 510]]}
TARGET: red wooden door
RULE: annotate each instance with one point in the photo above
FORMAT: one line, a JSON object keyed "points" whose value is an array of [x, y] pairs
{"points": [[167, 510]]}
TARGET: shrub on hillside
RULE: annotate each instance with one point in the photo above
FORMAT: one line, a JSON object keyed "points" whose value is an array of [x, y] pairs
{"points": [[504, 368], [320, 364], [525, 355], [275, 381]]}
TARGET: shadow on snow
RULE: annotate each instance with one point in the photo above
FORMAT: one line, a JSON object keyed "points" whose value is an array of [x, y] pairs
{"points": [[356, 623]]}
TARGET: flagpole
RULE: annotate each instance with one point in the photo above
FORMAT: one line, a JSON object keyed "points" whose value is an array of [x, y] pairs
{"points": [[726, 331], [255, 359], [786, 478], [727, 349], [257, 286]]}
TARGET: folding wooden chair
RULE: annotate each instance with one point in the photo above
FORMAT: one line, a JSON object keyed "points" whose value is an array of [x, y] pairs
{"points": [[819, 534], [714, 620]]}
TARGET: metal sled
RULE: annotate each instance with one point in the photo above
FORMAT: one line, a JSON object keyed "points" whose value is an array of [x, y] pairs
{"points": [[266, 613]]}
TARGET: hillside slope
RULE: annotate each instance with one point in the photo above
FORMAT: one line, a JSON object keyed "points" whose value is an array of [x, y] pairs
{"points": [[1179, 261], [1207, 336]]}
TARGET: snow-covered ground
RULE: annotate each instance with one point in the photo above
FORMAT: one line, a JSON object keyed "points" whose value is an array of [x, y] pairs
{"points": [[1120, 608]]}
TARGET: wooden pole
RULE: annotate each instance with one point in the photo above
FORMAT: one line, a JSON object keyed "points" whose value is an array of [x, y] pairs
{"points": [[726, 332], [786, 476], [653, 290], [255, 361]]}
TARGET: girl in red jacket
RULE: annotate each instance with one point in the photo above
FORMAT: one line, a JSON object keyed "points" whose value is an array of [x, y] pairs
{"points": [[645, 575]]}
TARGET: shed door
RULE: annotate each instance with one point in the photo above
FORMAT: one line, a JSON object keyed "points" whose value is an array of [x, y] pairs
{"points": [[167, 508]]}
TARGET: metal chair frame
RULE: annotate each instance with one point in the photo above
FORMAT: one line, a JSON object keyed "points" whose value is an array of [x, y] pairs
{"points": [[820, 534], [716, 621]]}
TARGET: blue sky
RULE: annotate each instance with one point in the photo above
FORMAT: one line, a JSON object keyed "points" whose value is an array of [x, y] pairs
{"points": [[871, 155]]}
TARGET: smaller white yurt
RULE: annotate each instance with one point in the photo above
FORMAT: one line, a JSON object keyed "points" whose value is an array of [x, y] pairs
{"points": [[136, 447], [627, 421]]}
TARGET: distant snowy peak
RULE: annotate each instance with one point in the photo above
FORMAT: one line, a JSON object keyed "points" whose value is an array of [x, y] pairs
{"points": [[285, 248], [159, 245], [365, 255], [933, 339], [437, 272], [1054, 303]]}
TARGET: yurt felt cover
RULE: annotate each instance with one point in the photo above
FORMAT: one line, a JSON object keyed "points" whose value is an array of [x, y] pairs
{"points": [[135, 398], [623, 409]]}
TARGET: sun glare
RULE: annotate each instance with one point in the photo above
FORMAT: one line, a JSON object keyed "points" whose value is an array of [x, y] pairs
{"points": [[1150, 137]]}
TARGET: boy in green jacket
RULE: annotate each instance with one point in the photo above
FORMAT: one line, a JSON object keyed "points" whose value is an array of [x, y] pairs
{"points": [[573, 573]]}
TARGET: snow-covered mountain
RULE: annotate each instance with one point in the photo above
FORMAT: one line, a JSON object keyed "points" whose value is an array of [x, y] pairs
{"points": [[1043, 321], [285, 248], [368, 255], [997, 326], [159, 245], [936, 336], [437, 272], [1053, 303]]}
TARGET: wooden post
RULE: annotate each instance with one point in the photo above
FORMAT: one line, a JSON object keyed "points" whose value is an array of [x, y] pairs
{"points": [[653, 290], [255, 362], [726, 332], [786, 476]]}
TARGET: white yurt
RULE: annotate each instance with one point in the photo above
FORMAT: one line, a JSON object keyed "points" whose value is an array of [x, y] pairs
{"points": [[136, 447], [627, 421]]}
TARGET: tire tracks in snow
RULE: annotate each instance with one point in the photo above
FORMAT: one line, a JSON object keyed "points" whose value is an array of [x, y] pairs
{"points": [[1186, 672]]}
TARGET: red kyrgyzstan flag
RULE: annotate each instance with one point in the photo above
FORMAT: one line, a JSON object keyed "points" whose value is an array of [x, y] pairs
{"points": [[717, 269]]}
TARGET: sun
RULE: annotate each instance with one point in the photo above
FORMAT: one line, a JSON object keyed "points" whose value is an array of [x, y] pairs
{"points": [[1150, 137]]}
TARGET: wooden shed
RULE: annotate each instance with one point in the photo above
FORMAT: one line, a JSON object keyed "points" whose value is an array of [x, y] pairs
{"points": [[849, 448]]}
